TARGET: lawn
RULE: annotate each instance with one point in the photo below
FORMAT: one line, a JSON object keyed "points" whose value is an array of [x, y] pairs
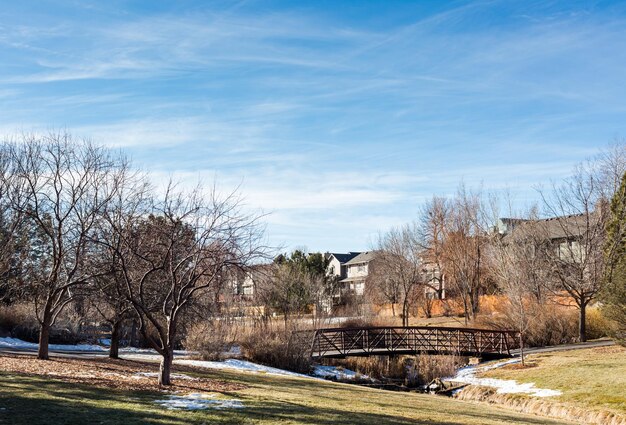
{"points": [[35, 399], [593, 378]]}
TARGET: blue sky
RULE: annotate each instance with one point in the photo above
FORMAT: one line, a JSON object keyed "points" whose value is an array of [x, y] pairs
{"points": [[337, 118]]}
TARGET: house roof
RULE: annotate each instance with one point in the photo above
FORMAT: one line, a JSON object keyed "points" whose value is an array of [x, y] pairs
{"points": [[343, 258], [563, 227], [364, 257]]}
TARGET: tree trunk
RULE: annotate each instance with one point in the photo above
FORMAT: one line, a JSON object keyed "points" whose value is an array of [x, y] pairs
{"points": [[133, 334], [166, 367], [521, 346], [475, 303], [115, 340], [466, 308], [405, 313], [582, 325], [44, 337]]}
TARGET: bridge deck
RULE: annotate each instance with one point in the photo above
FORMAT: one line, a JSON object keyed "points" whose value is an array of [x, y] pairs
{"points": [[340, 342]]}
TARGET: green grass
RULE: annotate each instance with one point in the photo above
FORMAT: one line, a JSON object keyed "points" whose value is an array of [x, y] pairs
{"points": [[268, 400], [592, 378]]}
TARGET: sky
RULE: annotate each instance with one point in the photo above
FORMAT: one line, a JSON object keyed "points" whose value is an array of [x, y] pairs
{"points": [[337, 119]]}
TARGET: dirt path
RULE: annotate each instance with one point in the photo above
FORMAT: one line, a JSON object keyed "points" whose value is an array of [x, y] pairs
{"points": [[566, 347]]}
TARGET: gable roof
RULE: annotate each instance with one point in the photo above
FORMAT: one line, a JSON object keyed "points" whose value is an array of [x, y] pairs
{"points": [[363, 257], [563, 227], [343, 258]]}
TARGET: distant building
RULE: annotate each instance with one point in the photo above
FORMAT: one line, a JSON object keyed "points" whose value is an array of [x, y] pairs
{"points": [[337, 263], [357, 271], [433, 277], [565, 234], [244, 284]]}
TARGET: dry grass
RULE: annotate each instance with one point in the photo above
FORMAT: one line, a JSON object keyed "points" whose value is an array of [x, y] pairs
{"points": [[593, 383], [543, 407], [408, 370], [267, 400], [108, 373]]}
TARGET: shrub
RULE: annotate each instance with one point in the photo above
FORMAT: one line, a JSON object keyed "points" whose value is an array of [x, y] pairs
{"points": [[410, 370], [598, 325], [25, 333], [550, 325], [12, 316], [423, 369], [277, 348], [18, 321], [210, 339]]}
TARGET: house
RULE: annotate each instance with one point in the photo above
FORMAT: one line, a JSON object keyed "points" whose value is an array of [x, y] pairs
{"points": [[353, 273], [244, 284], [357, 270], [337, 263], [565, 234]]}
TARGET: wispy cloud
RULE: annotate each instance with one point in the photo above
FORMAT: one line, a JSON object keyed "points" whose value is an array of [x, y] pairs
{"points": [[338, 122]]}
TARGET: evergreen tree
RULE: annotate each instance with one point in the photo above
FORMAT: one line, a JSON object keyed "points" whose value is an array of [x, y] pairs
{"points": [[614, 292]]}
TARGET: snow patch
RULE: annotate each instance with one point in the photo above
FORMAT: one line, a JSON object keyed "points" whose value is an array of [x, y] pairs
{"points": [[139, 375], [8, 342], [467, 375], [334, 372], [198, 401], [15, 343], [241, 365]]}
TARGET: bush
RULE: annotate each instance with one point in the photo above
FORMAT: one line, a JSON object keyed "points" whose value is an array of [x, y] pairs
{"points": [[423, 369], [277, 348], [410, 370], [550, 325], [211, 340], [12, 316], [598, 325], [26, 333], [553, 326], [18, 321]]}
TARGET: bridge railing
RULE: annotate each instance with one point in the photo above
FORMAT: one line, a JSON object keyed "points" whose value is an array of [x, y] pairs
{"points": [[341, 342]]}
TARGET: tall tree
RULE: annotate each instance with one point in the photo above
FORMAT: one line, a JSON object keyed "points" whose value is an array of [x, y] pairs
{"points": [[516, 260], [577, 233], [13, 229], [433, 220], [464, 242], [174, 250], [297, 282], [398, 267], [64, 186], [614, 292]]}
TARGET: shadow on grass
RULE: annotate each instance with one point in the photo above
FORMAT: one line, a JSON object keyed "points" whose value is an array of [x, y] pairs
{"points": [[331, 410], [35, 400]]}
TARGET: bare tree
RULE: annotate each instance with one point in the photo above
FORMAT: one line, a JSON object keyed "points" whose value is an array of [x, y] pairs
{"points": [[112, 306], [516, 260], [433, 221], [464, 241], [13, 230], [66, 185], [577, 233], [177, 248], [609, 167], [398, 268], [382, 288]]}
